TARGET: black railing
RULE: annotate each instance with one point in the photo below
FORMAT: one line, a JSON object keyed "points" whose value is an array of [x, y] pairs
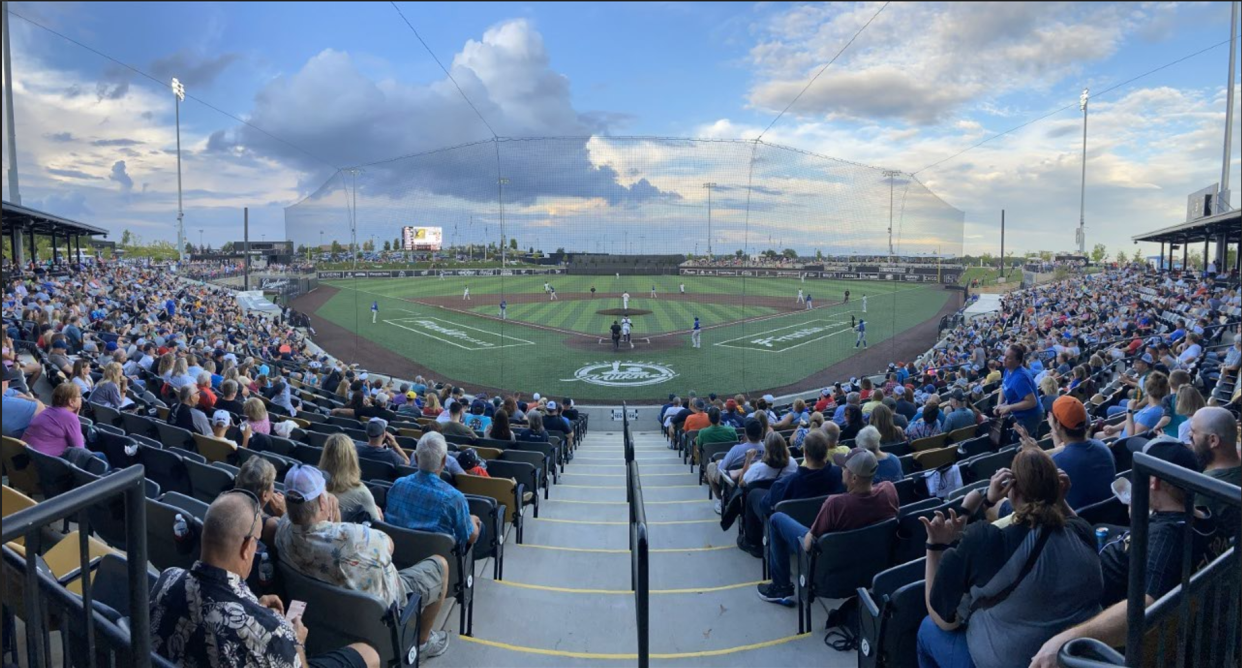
{"points": [[639, 564], [1205, 604], [43, 595]]}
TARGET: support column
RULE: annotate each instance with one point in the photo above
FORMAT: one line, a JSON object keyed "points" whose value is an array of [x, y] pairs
{"points": [[1206, 258], [1161, 252], [55, 250], [34, 253], [1169, 266], [19, 251], [1185, 253]]}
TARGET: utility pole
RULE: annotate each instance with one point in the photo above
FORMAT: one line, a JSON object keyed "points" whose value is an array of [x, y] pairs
{"points": [[1002, 255], [1082, 202], [709, 186], [1222, 197], [353, 217], [890, 174], [179, 95], [503, 182]]}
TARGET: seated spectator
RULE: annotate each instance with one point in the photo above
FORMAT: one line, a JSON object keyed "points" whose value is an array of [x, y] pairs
{"points": [[555, 424], [57, 430], [468, 460], [59, 357], [431, 408], [1048, 391], [314, 541], [1214, 437], [731, 465], [854, 422], [1188, 402], [111, 390], [19, 410], [876, 399], [410, 406], [424, 502], [795, 416], [499, 429], [82, 376], [864, 504], [1164, 558], [340, 461], [927, 425], [455, 426], [221, 422], [185, 413], [961, 413], [256, 414], [697, 419], [477, 419], [208, 617], [1142, 415], [732, 417], [1023, 607], [227, 400], [534, 431], [888, 467], [884, 421], [715, 432], [258, 476], [381, 445], [206, 396], [1088, 462], [773, 463], [904, 406], [815, 423], [179, 376], [815, 477]]}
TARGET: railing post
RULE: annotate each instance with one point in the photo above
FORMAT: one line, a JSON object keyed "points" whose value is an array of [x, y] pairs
{"points": [[136, 565]]}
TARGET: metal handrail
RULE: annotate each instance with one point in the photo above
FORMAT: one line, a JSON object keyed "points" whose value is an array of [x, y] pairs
{"points": [[639, 547], [27, 523]]}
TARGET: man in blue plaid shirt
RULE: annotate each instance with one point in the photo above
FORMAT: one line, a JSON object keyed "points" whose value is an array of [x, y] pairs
{"points": [[424, 502]]}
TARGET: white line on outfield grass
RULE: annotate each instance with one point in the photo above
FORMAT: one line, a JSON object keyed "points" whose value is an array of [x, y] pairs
{"points": [[759, 336], [502, 337]]}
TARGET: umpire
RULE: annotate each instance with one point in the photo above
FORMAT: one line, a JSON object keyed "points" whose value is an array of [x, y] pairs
{"points": [[616, 336]]}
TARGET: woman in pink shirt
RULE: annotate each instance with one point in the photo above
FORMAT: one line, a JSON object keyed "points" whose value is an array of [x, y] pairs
{"points": [[57, 429]]}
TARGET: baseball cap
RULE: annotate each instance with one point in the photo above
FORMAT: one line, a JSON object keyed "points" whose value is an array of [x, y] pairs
{"points": [[536, 397], [468, 458], [552, 405], [306, 481], [859, 461], [1163, 448], [700, 404], [769, 398], [59, 343], [381, 398], [221, 417], [411, 395], [376, 427], [826, 392], [900, 391], [1147, 358], [111, 347], [958, 394], [1070, 412]]}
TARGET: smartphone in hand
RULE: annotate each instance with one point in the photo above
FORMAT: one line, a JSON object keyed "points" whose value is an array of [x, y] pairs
{"points": [[296, 608]]}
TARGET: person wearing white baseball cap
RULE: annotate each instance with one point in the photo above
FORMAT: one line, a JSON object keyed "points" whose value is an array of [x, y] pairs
{"points": [[221, 422], [312, 540]]}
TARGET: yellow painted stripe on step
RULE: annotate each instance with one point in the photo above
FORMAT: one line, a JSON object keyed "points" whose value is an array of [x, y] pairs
{"points": [[607, 523], [633, 657], [623, 503], [628, 592], [601, 550]]}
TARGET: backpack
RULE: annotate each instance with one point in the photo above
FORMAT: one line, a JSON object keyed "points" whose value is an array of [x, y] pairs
{"points": [[843, 626]]}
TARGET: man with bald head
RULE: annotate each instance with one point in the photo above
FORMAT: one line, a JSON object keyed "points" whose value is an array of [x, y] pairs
{"points": [[1214, 439], [207, 616]]}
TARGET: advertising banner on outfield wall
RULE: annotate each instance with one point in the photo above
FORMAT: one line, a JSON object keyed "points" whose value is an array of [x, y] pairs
{"points": [[411, 273], [867, 273]]}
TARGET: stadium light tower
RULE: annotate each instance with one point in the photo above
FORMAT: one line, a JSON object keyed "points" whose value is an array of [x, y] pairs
{"points": [[179, 95], [891, 174], [503, 182], [709, 185], [1082, 200], [353, 218]]}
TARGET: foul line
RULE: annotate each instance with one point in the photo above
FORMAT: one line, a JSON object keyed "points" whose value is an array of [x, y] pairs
{"points": [[603, 550], [725, 344], [634, 657], [629, 592]]}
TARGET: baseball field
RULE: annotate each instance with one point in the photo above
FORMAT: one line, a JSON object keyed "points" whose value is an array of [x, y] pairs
{"points": [[756, 335]]}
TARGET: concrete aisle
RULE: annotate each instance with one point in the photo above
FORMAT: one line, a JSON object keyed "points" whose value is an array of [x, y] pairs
{"points": [[566, 601]]}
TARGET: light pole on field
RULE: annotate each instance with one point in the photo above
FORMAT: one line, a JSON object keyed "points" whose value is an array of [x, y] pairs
{"points": [[179, 95], [709, 185], [502, 181], [891, 174]]}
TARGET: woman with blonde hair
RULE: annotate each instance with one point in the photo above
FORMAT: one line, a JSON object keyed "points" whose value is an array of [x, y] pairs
{"points": [[1189, 400], [1048, 390], [165, 366], [882, 420], [111, 390], [340, 461], [431, 408], [256, 414]]}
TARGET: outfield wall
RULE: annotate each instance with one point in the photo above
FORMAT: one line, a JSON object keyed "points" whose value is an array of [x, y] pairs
{"points": [[859, 272]]}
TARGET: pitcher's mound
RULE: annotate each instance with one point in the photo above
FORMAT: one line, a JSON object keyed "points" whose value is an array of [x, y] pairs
{"points": [[621, 311]]}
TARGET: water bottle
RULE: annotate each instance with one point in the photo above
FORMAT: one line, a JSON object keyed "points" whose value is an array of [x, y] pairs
{"points": [[180, 528], [266, 571]]}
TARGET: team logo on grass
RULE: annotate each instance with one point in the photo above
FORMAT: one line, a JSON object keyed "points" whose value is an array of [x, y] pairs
{"points": [[624, 374]]}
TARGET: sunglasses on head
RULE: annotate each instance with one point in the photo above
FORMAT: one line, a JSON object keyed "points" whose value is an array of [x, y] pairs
{"points": [[258, 508]]}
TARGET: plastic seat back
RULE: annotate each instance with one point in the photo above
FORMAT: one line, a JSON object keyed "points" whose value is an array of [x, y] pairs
{"points": [[208, 480], [189, 504], [167, 468], [848, 560], [164, 548], [19, 467], [55, 474]]}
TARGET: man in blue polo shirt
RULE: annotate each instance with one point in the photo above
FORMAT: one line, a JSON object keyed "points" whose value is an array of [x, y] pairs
{"points": [[1088, 462]]}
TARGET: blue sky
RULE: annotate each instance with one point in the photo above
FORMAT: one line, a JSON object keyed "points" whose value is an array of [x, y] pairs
{"points": [[342, 80]]}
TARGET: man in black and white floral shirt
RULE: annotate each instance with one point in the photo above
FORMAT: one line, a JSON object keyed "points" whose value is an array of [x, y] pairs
{"points": [[207, 617]]}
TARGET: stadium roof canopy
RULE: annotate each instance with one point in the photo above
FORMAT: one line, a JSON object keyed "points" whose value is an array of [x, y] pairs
{"points": [[1209, 228], [26, 220]]}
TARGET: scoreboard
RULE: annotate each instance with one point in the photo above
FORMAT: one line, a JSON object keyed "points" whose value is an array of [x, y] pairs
{"points": [[422, 238]]}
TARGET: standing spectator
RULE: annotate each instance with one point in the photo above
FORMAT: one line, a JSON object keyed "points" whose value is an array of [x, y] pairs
{"points": [[1059, 586], [1018, 389], [313, 540], [208, 617], [864, 504]]}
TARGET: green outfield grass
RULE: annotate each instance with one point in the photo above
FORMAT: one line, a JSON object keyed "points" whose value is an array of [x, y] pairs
{"points": [[464, 341]]}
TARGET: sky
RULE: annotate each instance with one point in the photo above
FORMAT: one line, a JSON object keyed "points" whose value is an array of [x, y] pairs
{"points": [[328, 85]]}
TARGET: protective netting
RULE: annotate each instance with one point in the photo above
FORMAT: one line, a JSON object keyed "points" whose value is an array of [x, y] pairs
{"points": [[626, 215]]}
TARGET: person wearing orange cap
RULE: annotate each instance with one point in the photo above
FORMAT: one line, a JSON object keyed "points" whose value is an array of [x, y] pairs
{"points": [[1088, 462]]}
